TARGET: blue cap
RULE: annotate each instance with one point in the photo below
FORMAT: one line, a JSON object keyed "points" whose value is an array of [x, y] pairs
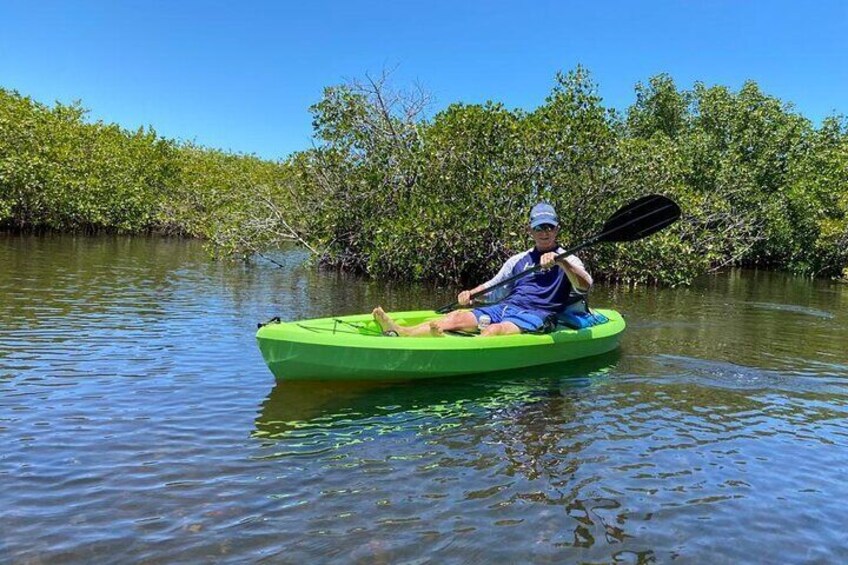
{"points": [[543, 213]]}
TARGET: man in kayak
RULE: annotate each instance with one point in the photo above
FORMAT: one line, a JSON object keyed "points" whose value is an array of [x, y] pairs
{"points": [[529, 302]]}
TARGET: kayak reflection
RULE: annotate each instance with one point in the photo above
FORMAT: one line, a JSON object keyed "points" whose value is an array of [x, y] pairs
{"points": [[321, 407]]}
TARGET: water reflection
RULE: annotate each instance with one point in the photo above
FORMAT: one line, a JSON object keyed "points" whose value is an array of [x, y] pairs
{"points": [[293, 407]]}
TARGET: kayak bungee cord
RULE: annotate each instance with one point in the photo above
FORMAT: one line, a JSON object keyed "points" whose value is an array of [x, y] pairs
{"points": [[362, 327]]}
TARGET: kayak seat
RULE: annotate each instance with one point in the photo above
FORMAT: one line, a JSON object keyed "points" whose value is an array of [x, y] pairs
{"points": [[580, 320]]}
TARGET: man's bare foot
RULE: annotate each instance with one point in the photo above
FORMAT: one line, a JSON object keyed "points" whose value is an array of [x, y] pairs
{"points": [[386, 324]]}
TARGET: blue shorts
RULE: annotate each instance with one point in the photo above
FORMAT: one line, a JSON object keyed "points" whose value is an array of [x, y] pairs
{"points": [[526, 320]]}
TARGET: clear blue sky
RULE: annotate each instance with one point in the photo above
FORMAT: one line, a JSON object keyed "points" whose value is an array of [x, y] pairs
{"points": [[242, 75]]}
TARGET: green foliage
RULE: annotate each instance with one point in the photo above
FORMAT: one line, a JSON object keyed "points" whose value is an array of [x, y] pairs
{"points": [[817, 203], [445, 199], [770, 183], [395, 194], [59, 172], [659, 108], [234, 201]]}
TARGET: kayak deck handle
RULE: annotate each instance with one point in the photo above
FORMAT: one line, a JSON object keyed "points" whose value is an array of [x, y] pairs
{"points": [[274, 320]]}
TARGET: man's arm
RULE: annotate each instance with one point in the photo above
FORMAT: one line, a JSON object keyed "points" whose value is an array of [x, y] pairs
{"points": [[464, 297], [580, 278]]}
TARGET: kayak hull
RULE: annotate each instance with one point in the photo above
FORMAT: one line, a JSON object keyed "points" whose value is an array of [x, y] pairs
{"points": [[351, 348]]}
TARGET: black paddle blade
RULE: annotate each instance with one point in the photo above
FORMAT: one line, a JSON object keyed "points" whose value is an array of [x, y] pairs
{"points": [[640, 218]]}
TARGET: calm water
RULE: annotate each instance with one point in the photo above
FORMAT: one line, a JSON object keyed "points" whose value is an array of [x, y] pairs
{"points": [[138, 423]]}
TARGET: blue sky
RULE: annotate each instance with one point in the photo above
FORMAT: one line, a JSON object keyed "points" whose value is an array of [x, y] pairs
{"points": [[242, 75]]}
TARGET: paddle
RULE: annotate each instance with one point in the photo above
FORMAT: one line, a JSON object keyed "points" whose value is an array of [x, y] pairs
{"points": [[631, 222]]}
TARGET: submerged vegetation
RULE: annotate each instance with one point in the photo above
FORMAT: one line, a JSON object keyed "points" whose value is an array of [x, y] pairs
{"points": [[395, 193]]}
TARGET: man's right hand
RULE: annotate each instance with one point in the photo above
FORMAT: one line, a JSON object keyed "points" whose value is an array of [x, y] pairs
{"points": [[464, 298]]}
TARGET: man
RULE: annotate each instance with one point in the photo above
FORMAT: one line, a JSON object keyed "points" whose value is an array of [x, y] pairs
{"points": [[529, 301]]}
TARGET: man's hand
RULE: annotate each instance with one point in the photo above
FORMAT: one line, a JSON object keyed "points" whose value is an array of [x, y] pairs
{"points": [[464, 298], [547, 260]]}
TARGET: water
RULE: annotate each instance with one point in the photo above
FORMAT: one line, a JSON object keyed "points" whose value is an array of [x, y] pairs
{"points": [[138, 423]]}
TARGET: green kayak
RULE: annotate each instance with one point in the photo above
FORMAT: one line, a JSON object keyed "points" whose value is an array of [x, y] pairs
{"points": [[353, 348]]}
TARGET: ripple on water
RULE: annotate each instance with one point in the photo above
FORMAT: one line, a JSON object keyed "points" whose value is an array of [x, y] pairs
{"points": [[791, 308]]}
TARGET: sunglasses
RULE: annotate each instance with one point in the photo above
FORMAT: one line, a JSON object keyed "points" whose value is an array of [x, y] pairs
{"points": [[544, 228]]}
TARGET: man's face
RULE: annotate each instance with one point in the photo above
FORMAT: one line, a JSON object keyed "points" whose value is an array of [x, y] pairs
{"points": [[544, 236]]}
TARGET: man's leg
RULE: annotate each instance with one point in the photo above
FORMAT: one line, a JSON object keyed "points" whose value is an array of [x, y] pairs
{"points": [[504, 328], [462, 320], [516, 321], [458, 320]]}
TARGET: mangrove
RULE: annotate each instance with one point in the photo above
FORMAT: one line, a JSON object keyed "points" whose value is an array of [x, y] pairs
{"points": [[394, 191]]}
